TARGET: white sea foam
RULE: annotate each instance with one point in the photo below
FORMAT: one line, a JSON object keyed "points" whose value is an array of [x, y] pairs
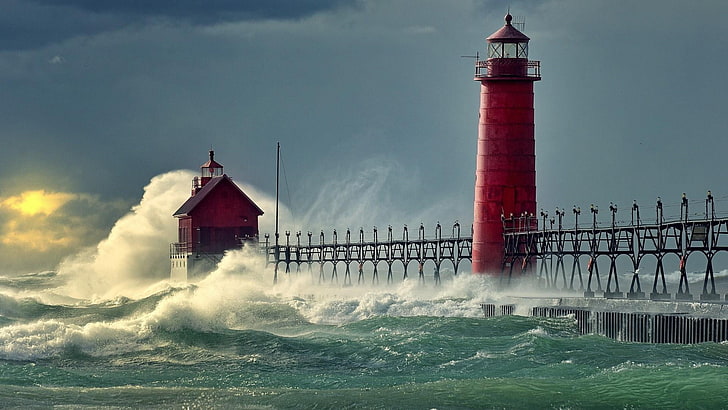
{"points": [[243, 283], [135, 252], [133, 262], [328, 304], [217, 303], [135, 255], [240, 295], [221, 300], [50, 338]]}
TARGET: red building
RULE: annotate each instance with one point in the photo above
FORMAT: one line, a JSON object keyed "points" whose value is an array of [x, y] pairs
{"points": [[217, 217], [505, 184]]}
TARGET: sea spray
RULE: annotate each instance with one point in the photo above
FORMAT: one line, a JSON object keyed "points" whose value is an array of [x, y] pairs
{"points": [[243, 280], [220, 300], [362, 195], [238, 295], [212, 305], [329, 303], [135, 255], [234, 339]]}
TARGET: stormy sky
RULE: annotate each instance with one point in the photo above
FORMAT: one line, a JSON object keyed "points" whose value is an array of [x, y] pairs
{"points": [[368, 97]]}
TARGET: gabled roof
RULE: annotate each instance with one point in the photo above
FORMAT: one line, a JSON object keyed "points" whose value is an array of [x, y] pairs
{"points": [[193, 201]]}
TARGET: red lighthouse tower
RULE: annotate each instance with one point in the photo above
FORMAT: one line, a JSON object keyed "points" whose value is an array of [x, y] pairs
{"points": [[505, 178], [217, 217]]}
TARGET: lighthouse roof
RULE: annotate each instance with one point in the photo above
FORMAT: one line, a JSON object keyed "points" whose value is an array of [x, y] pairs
{"points": [[211, 163], [508, 33], [193, 201]]}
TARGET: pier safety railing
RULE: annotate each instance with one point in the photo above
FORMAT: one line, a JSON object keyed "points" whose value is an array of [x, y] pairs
{"points": [[548, 246], [362, 250], [539, 246]]}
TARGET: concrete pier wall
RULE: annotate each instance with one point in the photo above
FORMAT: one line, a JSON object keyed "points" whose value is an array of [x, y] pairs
{"points": [[682, 323]]}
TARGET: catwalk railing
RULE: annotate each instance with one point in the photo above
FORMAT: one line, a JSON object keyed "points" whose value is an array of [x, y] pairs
{"points": [[361, 251], [547, 249], [539, 247]]}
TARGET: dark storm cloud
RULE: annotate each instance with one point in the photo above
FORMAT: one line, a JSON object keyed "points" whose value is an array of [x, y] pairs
{"points": [[205, 11], [35, 23], [631, 104]]}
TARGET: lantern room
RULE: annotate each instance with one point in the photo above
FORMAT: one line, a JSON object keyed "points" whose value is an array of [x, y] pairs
{"points": [[508, 42], [507, 53], [208, 170]]}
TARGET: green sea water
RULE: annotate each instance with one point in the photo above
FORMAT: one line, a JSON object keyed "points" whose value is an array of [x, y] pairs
{"points": [[238, 342]]}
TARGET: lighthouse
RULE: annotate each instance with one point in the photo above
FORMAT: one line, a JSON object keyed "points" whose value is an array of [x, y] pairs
{"points": [[505, 178], [217, 217]]}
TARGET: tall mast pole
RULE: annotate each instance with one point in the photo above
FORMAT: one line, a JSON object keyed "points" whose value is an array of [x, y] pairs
{"points": [[278, 159]]}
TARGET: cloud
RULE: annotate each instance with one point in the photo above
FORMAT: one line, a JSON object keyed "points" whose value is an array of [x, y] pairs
{"points": [[39, 227], [206, 11], [420, 30], [36, 23], [620, 114], [36, 202]]}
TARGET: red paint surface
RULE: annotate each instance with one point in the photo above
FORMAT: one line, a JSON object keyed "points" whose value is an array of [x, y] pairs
{"points": [[218, 222], [218, 215], [505, 182], [506, 166]]}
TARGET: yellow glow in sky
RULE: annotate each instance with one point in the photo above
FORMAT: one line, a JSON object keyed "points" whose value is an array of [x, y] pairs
{"points": [[37, 202], [26, 224], [43, 239]]}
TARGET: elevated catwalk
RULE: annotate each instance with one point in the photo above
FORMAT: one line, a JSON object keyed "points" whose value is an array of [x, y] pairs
{"points": [[536, 248], [368, 254], [627, 248]]}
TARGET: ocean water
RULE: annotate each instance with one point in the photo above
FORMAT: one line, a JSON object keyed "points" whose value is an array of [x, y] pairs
{"points": [[234, 340]]}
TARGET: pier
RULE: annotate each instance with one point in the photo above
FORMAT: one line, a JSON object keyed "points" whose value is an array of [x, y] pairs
{"points": [[558, 258], [664, 322], [698, 239], [370, 251]]}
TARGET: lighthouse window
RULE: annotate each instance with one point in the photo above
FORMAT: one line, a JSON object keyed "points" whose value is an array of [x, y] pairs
{"points": [[494, 50], [509, 50], [522, 50]]}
